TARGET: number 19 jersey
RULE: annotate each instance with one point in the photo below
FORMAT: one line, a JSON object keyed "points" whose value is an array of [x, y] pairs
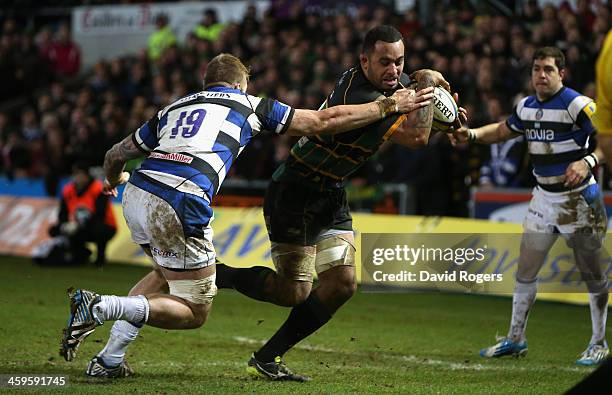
{"points": [[192, 143]]}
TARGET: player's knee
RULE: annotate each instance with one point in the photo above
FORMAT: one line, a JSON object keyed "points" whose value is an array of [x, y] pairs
{"points": [[346, 287], [200, 314], [336, 267], [597, 285], [294, 267], [528, 269], [294, 293], [337, 286]]}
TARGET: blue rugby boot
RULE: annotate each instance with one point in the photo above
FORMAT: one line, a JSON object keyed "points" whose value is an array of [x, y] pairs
{"points": [[503, 347]]}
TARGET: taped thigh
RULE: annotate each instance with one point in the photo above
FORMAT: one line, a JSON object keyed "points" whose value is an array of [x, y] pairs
{"points": [[201, 291], [334, 251], [294, 262]]}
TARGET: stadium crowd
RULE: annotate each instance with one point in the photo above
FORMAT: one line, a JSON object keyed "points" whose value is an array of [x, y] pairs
{"points": [[53, 113]]}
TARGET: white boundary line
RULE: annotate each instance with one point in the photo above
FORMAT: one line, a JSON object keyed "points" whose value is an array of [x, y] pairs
{"points": [[413, 359]]}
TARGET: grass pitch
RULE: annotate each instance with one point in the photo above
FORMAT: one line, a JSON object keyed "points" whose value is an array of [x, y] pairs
{"points": [[413, 343]]}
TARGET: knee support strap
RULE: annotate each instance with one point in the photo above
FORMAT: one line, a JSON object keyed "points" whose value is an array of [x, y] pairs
{"points": [[200, 291], [334, 251]]}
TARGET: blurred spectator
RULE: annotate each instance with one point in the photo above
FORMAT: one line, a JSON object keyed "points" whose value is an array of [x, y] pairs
{"points": [[29, 126], [162, 39], [64, 54], [411, 24], [209, 27], [15, 156]]}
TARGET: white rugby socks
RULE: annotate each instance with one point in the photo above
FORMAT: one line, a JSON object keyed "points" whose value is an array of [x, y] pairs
{"points": [[122, 334], [133, 309], [522, 300], [598, 302]]}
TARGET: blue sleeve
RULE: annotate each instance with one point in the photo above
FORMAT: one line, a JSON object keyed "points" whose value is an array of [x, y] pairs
{"points": [[274, 115], [583, 121], [146, 138], [514, 123]]}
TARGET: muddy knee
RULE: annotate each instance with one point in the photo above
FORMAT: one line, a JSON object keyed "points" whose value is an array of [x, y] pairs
{"points": [[291, 293], [294, 266], [534, 248]]}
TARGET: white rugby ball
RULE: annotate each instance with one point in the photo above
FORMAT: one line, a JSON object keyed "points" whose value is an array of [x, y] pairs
{"points": [[445, 110]]}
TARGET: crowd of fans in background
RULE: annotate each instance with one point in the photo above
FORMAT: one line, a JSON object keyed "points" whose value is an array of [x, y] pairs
{"points": [[65, 114]]}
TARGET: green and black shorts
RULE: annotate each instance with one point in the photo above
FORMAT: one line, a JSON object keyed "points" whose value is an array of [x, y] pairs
{"points": [[299, 214]]}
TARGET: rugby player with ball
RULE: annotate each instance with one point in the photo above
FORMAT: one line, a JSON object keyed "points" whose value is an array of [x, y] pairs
{"points": [[306, 211]]}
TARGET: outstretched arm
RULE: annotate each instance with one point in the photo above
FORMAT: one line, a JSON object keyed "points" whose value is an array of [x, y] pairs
{"points": [[343, 118], [114, 163], [488, 134]]}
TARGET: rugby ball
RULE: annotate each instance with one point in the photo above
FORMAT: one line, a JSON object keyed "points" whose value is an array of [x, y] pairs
{"points": [[445, 110]]}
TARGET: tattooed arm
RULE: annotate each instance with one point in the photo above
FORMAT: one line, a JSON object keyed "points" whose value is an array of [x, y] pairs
{"points": [[414, 129], [114, 163]]}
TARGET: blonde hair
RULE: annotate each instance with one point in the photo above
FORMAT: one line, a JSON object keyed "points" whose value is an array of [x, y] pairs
{"points": [[225, 68]]}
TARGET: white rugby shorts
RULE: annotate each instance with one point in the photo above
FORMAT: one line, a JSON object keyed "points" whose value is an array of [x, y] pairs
{"points": [[565, 213], [153, 221]]}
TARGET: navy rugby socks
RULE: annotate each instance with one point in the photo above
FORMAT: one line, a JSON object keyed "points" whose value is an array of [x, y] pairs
{"points": [[303, 321], [248, 281]]}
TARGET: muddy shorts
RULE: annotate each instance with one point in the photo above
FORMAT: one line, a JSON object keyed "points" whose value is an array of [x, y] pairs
{"points": [[153, 221], [569, 213]]}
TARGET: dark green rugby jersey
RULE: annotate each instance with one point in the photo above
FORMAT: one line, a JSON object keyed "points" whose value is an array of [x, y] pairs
{"points": [[328, 159]]}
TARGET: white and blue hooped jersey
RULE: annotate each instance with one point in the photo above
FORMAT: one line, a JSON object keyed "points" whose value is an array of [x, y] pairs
{"points": [[558, 132], [193, 142]]}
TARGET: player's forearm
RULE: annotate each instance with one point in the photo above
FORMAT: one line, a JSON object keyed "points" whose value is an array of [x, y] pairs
{"points": [[113, 165], [348, 117], [489, 134], [600, 155], [339, 119], [117, 156], [421, 119]]}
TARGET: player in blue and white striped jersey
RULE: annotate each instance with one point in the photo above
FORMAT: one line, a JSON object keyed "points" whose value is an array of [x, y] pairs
{"points": [[189, 147], [556, 123]]}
